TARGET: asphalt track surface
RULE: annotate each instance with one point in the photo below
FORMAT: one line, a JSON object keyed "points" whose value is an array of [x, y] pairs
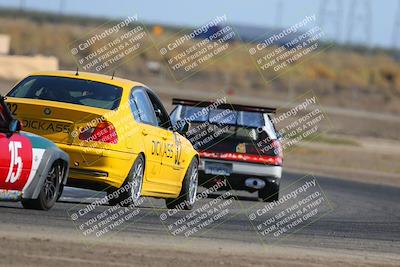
{"points": [[360, 217]]}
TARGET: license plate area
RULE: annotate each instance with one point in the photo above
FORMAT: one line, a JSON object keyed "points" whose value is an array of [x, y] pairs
{"points": [[216, 168]]}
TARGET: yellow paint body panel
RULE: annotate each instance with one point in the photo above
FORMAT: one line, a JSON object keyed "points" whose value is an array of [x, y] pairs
{"points": [[105, 163]]}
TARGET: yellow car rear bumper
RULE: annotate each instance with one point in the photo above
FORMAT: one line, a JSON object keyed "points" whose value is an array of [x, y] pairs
{"points": [[101, 166]]}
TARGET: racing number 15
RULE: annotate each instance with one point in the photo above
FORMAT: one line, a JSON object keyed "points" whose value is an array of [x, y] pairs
{"points": [[13, 147]]}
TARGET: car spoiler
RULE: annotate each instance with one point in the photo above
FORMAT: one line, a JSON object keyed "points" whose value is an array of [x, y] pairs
{"points": [[235, 107]]}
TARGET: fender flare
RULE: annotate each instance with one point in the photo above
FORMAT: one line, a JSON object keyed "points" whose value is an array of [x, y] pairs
{"points": [[50, 156]]}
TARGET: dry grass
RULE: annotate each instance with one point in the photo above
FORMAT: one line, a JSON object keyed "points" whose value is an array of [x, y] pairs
{"points": [[337, 73]]}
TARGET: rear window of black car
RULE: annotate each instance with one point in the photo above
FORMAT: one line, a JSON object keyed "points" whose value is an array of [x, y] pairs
{"points": [[68, 90], [221, 116]]}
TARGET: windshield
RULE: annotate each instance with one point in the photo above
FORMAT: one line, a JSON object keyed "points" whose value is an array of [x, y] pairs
{"points": [[223, 116], [68, 90]]}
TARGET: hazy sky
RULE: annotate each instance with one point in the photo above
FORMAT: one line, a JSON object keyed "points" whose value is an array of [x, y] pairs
{"points": [[253, 12]]}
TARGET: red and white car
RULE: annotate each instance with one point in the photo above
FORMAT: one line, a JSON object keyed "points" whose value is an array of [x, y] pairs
{"points": [[32, 169]]}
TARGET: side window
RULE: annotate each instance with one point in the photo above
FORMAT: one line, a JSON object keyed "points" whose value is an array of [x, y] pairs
{"points": [[174, 114], [162, 116], [141, 107], [135, 108]]}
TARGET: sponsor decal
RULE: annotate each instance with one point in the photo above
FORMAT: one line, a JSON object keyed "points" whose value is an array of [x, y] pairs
{"points": [[46, 126], [13, 108]]}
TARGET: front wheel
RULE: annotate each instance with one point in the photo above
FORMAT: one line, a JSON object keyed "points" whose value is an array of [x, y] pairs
{"points": [[187, 196], [130, 191], [50, 190]]}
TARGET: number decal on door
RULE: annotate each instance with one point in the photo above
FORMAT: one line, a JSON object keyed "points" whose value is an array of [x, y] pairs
{"points": [[178, 151], [13, 108], [15, 161]]}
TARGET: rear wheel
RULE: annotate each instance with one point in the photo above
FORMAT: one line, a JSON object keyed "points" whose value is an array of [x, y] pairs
{"points": [[133, 186], [269, 193], [187, 196], [50, 190]]}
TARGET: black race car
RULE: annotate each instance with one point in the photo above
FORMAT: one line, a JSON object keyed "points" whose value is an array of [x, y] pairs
{"points": [[238, 143]]}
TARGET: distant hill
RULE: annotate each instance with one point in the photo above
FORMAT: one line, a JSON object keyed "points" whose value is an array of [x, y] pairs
{"points": [[345, 76]]}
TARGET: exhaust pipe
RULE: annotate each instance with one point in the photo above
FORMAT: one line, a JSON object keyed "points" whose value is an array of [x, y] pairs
{"points": [[254, 183]]}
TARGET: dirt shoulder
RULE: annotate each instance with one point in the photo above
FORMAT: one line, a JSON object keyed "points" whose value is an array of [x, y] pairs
{"points": [[48, 248], [372, 160]]}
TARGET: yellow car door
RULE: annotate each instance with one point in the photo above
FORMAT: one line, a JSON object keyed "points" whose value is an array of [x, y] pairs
{"points": [[153, 153], [148, 133], [171, 170], [171, 167]]}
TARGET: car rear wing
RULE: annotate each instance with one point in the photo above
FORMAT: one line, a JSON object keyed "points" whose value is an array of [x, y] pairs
{"points": [[235, 107]]}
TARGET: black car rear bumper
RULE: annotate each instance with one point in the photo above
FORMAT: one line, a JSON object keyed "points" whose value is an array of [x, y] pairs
{"points": [[243, 175]]}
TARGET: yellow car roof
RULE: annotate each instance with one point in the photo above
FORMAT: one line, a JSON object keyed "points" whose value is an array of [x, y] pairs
{"points": [[90, 76]]}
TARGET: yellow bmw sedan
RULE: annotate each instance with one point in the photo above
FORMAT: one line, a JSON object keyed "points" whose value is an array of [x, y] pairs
{"points": [[117, 133]]}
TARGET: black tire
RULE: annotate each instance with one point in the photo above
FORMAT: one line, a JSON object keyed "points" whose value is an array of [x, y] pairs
{"points": [[133, 184], [187, 196], [60, 191], [269, 193], [50, 190]]}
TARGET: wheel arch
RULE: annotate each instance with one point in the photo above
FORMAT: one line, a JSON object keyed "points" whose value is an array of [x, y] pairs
{"points": [[131, 165], [50, 156], [187, 165]]}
